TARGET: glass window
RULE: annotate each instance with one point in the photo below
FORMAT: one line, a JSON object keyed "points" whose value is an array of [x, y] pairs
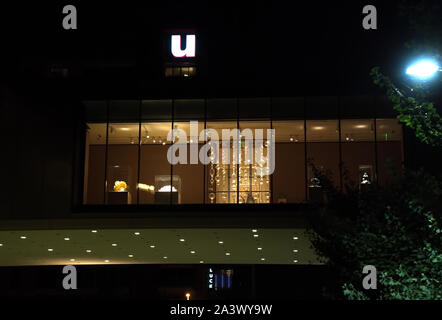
{"points": [[191, 173], [289, 175], [95, 111], [122, 163], [222, 109], [124, 110], [321, 107], [95, 159], [126, 157], [354, 107], [389, 147], [253, 108], [222, 177], [156, 185], [189, 109], [322, 154], [358, 152], [156, 110], [291, 108], [254, 181]]}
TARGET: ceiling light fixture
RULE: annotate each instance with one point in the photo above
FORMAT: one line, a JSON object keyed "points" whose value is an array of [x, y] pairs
{"points": [[67, 239], [295, 238], [227, 253], [94, 231], [23, 237], [114, 244], [192, 251], [88, 251], [50, 250]]}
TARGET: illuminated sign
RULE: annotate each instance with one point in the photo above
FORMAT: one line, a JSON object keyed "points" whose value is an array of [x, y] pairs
{"points": [[210, 278], [188, 51]]}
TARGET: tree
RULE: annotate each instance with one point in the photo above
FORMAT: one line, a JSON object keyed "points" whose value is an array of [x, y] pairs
{"points": [[396, 227]]}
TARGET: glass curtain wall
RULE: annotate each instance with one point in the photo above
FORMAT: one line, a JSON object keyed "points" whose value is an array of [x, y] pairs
{"points": [[128, 142]]}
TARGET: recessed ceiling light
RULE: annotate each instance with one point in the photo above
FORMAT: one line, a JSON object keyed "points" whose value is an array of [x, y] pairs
{"points": [[106, 260], [67, 239], [260, 248], [295, 250], [94, 231], [72, 260], [256, 235], [262, 259], [136, 233], [164, 257], [295, 261], [192, 251], [152, 247], [182, 240], [23, 237], [131, 256], [254, 230], [220, 242], [227, 253], [201, 261], [1, 244], [114, 244], [50, 250], [88, 251], [295, 238]]}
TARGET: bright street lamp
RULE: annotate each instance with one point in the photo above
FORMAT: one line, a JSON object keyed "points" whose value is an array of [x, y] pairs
{"points": [[423, 69]]}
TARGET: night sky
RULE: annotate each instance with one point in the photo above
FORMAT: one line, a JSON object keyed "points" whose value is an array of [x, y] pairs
{"points": [[308, 48]]}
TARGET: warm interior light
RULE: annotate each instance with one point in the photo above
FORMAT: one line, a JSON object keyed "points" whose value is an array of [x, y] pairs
{"points": [[167, 189], [120, 186], [361, 126], [318, 128], [187, 296], [124, 129], [146, 187]]}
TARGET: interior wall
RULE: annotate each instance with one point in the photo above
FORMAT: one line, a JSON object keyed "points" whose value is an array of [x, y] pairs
{"points": [[355, 154], [326, 155], [95, 188], [289, 176], [388, 150]]}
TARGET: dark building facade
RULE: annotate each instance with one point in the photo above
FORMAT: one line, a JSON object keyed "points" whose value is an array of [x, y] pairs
{"points": [[87, 115]]}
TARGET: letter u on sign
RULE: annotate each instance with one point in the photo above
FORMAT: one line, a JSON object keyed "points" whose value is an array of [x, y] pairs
{"points": [[188, 52]]}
